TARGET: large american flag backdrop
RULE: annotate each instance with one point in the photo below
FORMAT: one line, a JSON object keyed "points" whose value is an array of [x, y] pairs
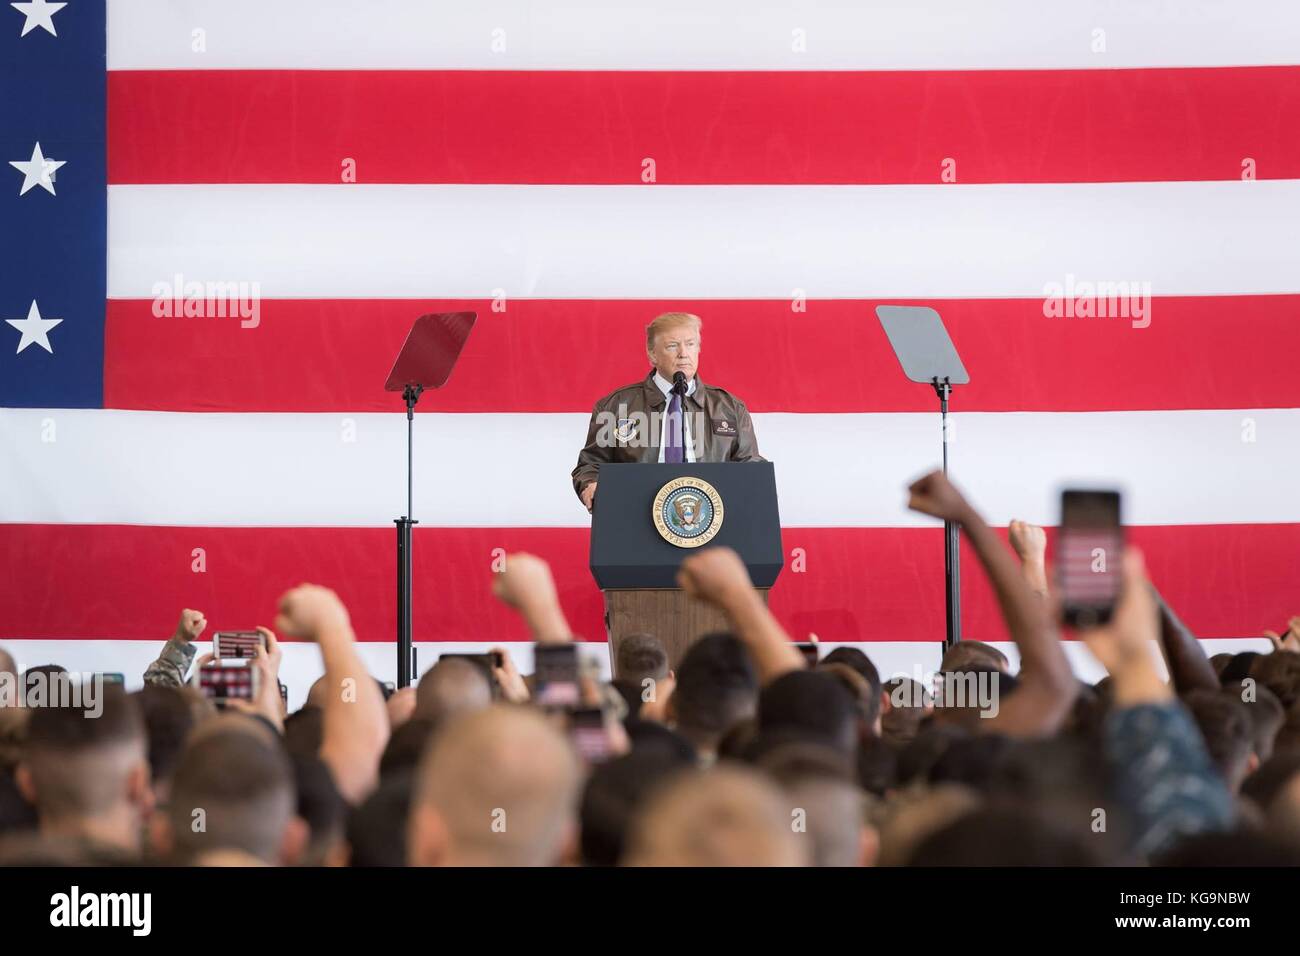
{"points": [[569, 170]]}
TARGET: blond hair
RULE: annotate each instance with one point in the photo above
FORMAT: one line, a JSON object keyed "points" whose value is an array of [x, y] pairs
{"points": [[669, 320]]}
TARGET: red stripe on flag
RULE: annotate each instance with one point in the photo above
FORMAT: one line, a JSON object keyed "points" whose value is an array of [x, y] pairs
{"points": [[998, 126], [858, 584], [560, 356]]}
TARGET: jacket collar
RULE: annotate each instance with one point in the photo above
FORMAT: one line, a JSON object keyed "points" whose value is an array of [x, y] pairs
{"points": [[655, 398]]}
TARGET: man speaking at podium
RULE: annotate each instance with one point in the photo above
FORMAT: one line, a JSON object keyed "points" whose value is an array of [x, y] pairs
{"points": [[698, 422]]}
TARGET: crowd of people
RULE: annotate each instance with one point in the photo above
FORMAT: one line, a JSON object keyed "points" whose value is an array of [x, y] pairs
{"points": [[745, 753]]}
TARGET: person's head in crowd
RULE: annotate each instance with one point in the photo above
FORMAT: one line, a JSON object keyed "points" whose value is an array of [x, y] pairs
{"points": [[88, 776], [1280, 673], [716, 689], [968, 696], [497, 787], [908, 818], [322, 809], [450, 687], [1228, 732], [648, 735], [825, 804], [1287, 737], [1220, 661], [169, 713], [233, 799], [905, 704], [1010, 835], [1266, 714], [1270, 781], [877, 766], [965, 655], [866, 696], [614, 792], [861, 664], [723, 816], [918, 757], [642, 657], [376, 830], [316, 693], [405, 747], [304, 730], [740, 742], [812, 706]]}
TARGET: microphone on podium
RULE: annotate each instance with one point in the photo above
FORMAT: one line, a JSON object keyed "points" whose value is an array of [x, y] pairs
{"points": [[679, 383]]}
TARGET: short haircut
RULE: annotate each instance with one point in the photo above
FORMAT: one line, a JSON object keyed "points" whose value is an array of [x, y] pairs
{"points": [[726, 816], [808, 705], [614, 793], [1227, 729], [909, 700], [376, 830], [670, 320], [964, 654], [1279, 672], [820, 790], [450, 687], [866, 698], [320, 805], [170, 713], [7, 663], [1266, 714], [1013, 835], [641, 656], [501, 760], [406, 745], [79, 764], [861, 663], [233, 790], [716, 689]]}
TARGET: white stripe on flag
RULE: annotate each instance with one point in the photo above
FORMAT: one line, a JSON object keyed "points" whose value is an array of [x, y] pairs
{"points": [[689, 35], [1183, 238], [512, 470]]}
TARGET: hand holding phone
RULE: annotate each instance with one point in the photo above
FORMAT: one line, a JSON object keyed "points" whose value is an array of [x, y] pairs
{"points": [[1089, 556]]}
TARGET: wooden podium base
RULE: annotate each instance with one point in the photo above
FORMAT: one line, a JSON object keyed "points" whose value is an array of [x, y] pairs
{"points": [[670, 614]]}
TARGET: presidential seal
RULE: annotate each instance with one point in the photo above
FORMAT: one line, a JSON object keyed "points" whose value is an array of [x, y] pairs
{"points": [[687, 512]]}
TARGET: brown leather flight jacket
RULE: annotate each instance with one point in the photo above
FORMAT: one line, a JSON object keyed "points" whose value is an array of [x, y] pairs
{"points": [[626, 425]]}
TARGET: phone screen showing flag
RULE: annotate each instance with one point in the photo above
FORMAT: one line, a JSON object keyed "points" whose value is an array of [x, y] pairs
{"points": [[227, 681], [1089, 551]]}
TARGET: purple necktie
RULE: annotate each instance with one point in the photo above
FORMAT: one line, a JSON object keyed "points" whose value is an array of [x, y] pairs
{"points": [[673, 453]]}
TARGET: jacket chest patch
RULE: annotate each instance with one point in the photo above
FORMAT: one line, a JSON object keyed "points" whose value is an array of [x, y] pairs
{"points": [[725, 428], [626, 429]]}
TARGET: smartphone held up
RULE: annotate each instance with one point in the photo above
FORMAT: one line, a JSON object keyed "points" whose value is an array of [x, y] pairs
{"points": [[1089, 556]]}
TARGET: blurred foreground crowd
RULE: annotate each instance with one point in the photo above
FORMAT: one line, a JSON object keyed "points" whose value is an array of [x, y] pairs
{"points": [[746, 753]]}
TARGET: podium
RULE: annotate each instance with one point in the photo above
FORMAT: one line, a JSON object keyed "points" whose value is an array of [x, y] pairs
{"points": [[636, 567]]}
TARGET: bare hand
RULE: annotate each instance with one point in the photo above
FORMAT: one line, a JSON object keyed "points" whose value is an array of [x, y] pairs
{"points": [[1288, 643], [401, 706], [934, 494], [1028, 540], [589, 495], [190, 626], [526, 579], [1124, 645], [716, 575], [508, 678], [309, 611]]}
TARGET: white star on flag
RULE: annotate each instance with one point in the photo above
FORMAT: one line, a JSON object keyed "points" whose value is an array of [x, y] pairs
{"points": [[38, 171], [35, 330], [39, 13]]}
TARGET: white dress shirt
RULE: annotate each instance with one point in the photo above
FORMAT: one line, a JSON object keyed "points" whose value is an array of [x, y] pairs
{"points": [[666, 387]]}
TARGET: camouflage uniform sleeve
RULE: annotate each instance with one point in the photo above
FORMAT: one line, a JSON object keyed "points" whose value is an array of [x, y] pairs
{"points": [[172, 665]]}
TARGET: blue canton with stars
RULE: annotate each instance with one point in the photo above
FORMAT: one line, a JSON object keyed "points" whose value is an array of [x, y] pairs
{"points": [[53, 246]]}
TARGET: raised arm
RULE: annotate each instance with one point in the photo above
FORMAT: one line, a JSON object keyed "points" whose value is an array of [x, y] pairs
{"points": [[525, 584], [356, 722], [173, 662], [1189, 668], [1046, 687], [718, 576]]}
